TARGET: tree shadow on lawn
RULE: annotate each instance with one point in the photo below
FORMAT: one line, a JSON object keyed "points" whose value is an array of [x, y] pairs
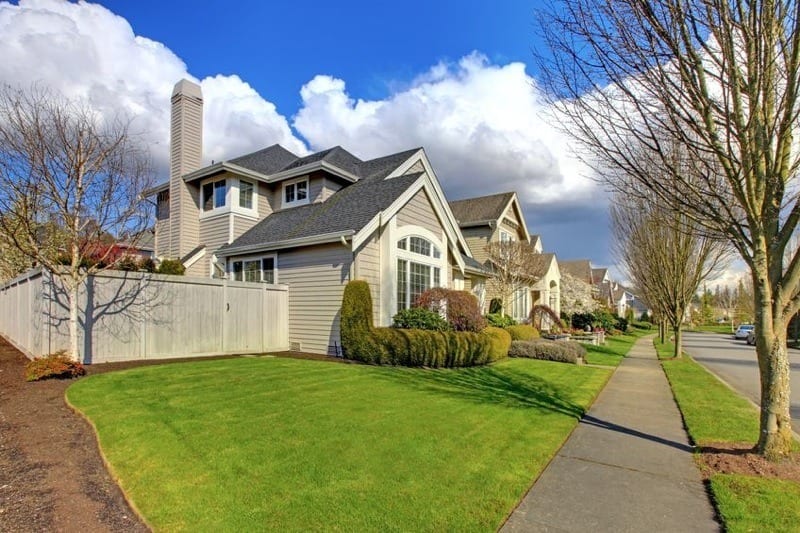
{"points": [[489, 385]]}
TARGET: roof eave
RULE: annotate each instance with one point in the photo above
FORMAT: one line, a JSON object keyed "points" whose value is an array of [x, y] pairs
{"points": [[222, 166], [311, 167], [287, 243]]}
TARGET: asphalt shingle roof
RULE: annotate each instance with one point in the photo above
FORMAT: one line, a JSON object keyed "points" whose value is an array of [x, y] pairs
{"points": [[350, 208], [482, 209], [579, 268], [267, 161]]}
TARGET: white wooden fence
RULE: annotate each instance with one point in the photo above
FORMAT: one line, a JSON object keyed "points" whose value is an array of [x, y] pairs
{"points": [[125, 316]]}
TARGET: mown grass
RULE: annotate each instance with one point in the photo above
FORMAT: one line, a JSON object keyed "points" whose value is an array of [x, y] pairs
{"points": [[615, 349], [290, 445], [713, 328], [714, 413]]}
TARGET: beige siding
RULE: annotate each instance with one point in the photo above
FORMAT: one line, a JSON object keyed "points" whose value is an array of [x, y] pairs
{"points": [[214, 232], [316, 186], [316, 277], [328, 188], [162, 247], [242, 224], [368, 268], [416, 167], [266, 199], [419, 212], [477, 239]]}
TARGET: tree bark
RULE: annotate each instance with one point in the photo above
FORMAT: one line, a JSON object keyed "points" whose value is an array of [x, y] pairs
{"points": [[678, 340], [73, 321]]}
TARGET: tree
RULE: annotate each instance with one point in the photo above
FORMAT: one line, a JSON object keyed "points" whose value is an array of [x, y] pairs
{"points": [[515, 265], [721, 79], [69, 179], [664, 255], [576, 295]]}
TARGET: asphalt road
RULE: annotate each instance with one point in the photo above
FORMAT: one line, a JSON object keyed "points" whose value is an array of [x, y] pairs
{"points": [[735, 362]]}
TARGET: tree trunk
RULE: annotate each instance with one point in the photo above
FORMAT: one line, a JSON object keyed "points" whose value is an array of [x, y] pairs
{"points": [[678, 340], [73, 321], [775, 431], [662, 330]]}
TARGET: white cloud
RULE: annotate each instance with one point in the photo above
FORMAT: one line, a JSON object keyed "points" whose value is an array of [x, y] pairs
{"points": [[84, 50], [483, 125]]}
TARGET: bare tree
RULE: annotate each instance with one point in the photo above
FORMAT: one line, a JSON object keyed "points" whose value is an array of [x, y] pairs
{"points": [[69, 181], [722, 79], [515, 266], [664, 255]]}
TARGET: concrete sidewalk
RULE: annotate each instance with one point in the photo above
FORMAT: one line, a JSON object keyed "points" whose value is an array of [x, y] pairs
{"points": [[628, 466]]}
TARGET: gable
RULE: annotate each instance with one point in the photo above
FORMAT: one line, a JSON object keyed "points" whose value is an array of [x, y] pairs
{"points": [[418, 211]]}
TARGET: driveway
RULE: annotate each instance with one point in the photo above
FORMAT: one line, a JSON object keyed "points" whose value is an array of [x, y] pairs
{"points": [[735, 362]]}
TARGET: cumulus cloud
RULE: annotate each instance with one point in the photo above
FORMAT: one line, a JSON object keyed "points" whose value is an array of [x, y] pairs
{"points": [[84, 50], [484, 126]]}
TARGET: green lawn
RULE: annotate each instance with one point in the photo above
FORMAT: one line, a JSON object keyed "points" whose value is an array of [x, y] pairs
{"points": [[281, 444], [714, 328], [714, 413], [612, 353]]}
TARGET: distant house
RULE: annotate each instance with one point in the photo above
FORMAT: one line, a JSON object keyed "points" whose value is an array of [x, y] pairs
{"points": [[498, 218], [312, 222]]}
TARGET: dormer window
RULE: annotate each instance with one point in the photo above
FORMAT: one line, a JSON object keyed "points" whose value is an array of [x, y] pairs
{"points": [[246, 194], [214, 193], [295, 192]]}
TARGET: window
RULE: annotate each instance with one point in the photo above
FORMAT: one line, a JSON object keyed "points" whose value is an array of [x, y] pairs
{"points": [[214, 193], [417, 269], [519, 305], [506, 236], [246, 194], [295, 193], [257, 269], [162, 205]]}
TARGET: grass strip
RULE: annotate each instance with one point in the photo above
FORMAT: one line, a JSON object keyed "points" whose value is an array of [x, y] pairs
{"points": [[714, 413], [290, 445], [614, 350]]}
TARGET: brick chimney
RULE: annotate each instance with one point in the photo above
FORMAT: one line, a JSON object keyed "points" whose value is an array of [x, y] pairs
{"points": [[185, 154]]}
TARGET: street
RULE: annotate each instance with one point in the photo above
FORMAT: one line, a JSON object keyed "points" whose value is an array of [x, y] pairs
{"points": [[735, 362]]}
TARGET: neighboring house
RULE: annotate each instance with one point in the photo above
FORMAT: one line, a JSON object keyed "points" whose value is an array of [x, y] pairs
{"points": [[499, 218], [313, 223]]}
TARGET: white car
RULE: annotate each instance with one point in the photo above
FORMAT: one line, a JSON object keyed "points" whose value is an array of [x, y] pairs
{"points": [[743, 331]]}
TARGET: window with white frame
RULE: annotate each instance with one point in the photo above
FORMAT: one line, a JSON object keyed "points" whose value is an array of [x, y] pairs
{"points": [[418, 269], [214, 195], [506, 236], [519, 305], [295, 192], [254, 269], [246, 190]]}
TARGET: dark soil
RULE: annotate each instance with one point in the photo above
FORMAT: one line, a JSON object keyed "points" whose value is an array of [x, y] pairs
{"points": [[728, 458], [52, 476]]}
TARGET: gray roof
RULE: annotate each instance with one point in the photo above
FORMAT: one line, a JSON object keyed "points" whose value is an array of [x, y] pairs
{"points": [[471, 262], [350, 208], [267, 161], [578, 268], [483, 209], [336, 156]]}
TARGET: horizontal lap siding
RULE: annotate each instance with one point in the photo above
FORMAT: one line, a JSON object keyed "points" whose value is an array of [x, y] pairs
{"points": [[369, 269], [316, 276], [242, 224], [419, 212], [477, 239]]}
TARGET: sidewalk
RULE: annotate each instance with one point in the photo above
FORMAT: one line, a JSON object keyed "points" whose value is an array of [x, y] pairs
{"points": [[628, 466]]}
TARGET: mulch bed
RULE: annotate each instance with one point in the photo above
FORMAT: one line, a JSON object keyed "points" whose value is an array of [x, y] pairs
{"points": [[52, 476], [729, 458]]}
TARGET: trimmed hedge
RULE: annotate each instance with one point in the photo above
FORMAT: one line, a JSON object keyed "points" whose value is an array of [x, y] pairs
{"points": [[171, 266], [363, 342], [420, 318], [500, 320], [523, 332], [560, 351]]}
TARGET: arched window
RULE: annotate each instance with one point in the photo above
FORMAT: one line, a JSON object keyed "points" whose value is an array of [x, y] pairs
{"points": [[418, 269]]}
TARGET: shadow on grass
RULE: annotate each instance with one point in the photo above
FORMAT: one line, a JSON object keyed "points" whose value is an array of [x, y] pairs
{"points": [[605, 350], [490, 385]]}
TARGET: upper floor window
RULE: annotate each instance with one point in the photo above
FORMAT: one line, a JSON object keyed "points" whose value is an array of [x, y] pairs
{"points": [[162, 205], [420, 246], [506, 236], [214, 193], [295, 192], [246, 189]]}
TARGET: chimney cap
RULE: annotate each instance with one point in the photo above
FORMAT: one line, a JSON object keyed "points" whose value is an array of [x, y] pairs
{"points": [[187, 88]]}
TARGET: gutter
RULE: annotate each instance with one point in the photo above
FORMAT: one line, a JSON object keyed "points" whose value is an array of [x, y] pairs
{"points": [[288, 243]]}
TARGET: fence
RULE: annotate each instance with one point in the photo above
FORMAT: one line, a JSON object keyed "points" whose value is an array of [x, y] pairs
{"points": [[125, 316]]}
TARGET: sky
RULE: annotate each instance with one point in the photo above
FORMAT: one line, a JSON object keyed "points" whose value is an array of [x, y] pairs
{"points": [[457, 78]]}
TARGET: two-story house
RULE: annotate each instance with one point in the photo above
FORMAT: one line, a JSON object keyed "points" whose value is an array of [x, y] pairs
{"points": [[499, 218], [312, 222]]}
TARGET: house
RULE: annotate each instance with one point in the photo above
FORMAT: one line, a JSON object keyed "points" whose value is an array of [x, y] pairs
{"points": [[311, 222], [499, 218]]}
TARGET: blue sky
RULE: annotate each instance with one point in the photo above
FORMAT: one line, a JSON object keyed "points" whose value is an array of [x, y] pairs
{"points": [[457, 78]]}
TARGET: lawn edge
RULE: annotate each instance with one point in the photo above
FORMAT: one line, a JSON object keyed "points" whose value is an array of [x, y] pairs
{"points": [[106, 462]]}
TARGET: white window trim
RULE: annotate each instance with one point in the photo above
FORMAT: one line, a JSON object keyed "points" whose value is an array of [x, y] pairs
{"points": [[405, 232], [259, 257], [296, 203], [236, 208], [508, 234], [231, 199]]}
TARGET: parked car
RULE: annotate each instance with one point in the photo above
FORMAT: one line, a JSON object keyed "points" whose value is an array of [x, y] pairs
{"points": [[743, 331], [751, 338]]}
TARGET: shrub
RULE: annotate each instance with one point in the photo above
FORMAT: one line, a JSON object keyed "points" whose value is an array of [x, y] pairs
{"points": [[523, 332], [641, 324], [420, 318], [500, 320], [645, 317], [56, 365], [460, 307], [356, 323], [500, 342], [171, 266], [544, 317], [621, 324], [561, 351], [581, 320]]}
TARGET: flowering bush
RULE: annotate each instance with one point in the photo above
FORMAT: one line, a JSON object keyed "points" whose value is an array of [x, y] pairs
{"points": [[460, 308]]}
